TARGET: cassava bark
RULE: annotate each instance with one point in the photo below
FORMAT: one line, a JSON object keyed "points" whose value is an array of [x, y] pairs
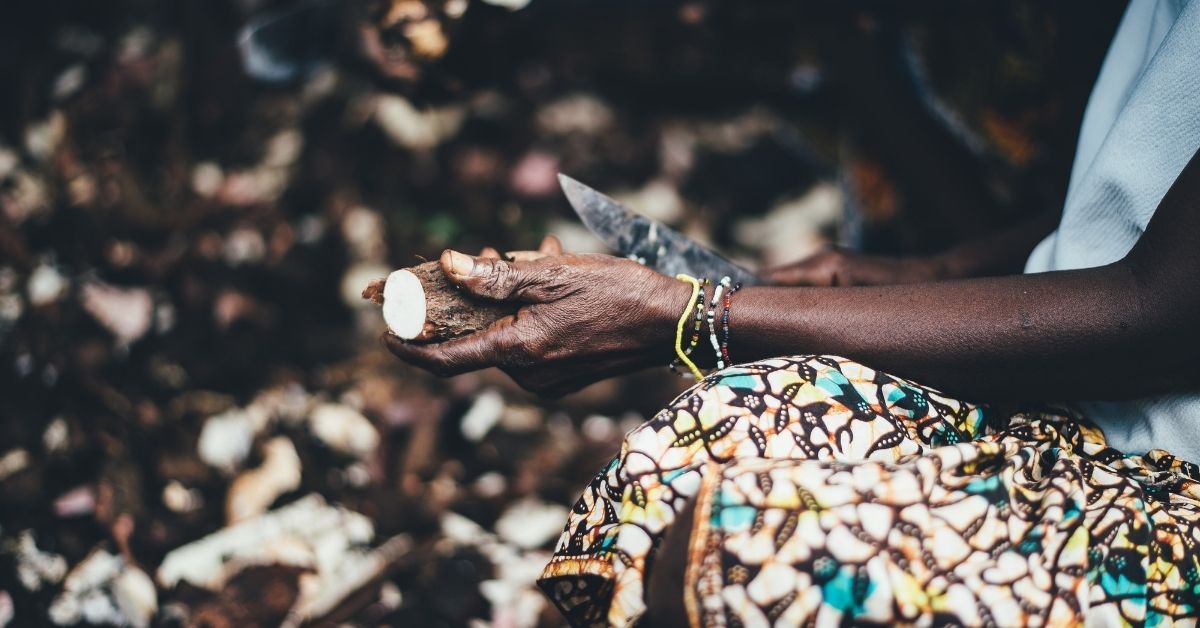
{"points": [[422, 303]]}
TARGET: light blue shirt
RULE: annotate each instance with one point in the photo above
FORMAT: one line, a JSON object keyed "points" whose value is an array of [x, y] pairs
{"points": [[1141, 126]]}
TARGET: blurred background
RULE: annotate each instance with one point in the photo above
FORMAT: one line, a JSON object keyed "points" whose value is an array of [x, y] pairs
{"points": [[198, 425]]}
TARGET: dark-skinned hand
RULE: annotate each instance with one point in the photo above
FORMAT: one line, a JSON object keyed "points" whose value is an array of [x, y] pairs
{"points": [[1123, 330], [583, 318], [834, 267]]}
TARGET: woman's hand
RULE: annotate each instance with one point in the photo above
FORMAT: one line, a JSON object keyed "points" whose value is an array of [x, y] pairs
{"points": [[585, 318], [840, 267], [550, 246]]}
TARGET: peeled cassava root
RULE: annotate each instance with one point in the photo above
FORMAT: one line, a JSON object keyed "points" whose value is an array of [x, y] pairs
{"points": [[422, 303]]}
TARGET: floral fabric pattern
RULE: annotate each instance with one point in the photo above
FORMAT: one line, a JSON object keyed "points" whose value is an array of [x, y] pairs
{"points": [[827, 491]]}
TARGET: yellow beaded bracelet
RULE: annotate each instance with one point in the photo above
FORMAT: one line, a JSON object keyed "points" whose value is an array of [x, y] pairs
{"points": [[683, 357]]}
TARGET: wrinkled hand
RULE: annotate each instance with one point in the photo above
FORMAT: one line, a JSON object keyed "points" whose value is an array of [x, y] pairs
{"points": [[841, 267], [584, 318]]}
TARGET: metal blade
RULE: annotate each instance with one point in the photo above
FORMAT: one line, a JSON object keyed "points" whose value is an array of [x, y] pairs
{"points": [[290, 44], [639, 238]]}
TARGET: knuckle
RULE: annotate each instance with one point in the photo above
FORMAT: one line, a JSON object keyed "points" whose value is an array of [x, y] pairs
{"points": [[520, 355], [459, 363], [439, 368], [506, 348], [529, 350], [552, 281], [445, 363], [542, 345], [501, 281]]}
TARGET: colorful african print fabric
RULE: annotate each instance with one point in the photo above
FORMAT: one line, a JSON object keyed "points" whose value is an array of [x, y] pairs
{"points": [[828, 493]]}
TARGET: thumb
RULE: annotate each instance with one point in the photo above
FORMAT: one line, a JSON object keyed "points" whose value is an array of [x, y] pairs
{"points": [[492, 278]]}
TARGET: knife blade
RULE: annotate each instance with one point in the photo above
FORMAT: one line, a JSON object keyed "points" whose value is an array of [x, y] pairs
{"points": [[647, 241]]}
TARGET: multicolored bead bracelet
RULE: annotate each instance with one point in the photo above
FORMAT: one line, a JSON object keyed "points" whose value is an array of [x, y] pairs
{"points": [[712, 319], [681, 355], [724, 360]]}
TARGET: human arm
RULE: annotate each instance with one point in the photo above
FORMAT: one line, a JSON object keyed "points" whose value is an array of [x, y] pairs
{"points": [[1000, 253], [1122, 330]]}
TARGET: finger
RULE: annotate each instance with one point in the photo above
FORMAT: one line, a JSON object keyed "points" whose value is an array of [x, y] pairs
{"points": [[524, 256], [489, 252], [461, 355], [498, 279], [799, 274], [550, 245]]}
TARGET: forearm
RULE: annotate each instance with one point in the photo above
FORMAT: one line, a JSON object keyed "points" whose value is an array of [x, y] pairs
{"points": [[1123, 330], [1054, 336]]}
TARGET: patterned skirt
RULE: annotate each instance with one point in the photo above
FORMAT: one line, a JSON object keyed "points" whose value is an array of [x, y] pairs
{"points": [[827, 492]]}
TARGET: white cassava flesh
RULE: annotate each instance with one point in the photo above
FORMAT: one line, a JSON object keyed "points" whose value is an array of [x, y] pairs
{"points": [[404, 304], [421, 303]]}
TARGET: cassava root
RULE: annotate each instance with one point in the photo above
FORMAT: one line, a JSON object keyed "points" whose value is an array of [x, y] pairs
{"points": [[421, 303]]}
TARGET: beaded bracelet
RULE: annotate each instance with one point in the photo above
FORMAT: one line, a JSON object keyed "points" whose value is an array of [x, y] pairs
{"points": [[679, 352], [725, 325], [699, 320], [697, 305], [711, 317]]}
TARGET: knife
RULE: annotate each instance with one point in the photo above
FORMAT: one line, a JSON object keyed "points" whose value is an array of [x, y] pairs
{"points": [[646, 241]]}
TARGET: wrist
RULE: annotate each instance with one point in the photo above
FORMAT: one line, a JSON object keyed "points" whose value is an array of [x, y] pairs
{"points": [[671, 303], [688, 306], [703, 355], [665, 304]]}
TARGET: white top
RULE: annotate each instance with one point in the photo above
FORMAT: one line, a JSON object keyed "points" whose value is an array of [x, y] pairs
{"points": [[1141, 126]]}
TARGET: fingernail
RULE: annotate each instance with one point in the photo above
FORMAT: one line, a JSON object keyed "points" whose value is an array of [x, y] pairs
{"points": [[461, 264]]}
